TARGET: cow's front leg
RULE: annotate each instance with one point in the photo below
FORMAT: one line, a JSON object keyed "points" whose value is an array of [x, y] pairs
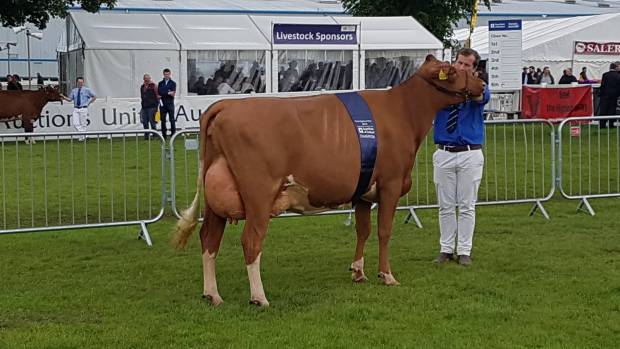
{"points": [[388, 200], [211, 234], [362, 227]]}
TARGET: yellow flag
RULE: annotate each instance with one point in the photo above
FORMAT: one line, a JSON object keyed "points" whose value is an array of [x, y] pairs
{"points": [[472, 24], [157, 116]]}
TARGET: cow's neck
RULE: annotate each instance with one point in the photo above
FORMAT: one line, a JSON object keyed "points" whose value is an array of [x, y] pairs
{"points": [[422, 102]]}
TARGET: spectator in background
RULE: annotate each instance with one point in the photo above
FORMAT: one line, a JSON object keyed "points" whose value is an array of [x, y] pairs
{"points": [[149, 99], [583, 76], [609, 93], [82, 97], [532, 77], [40, 81], [199, 86], [17, 83], [567, 77], [524, 76], [10, 85], [546, 77], [167, 90]]}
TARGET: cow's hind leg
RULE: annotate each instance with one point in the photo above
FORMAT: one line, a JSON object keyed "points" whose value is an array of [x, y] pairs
{"points": [[258, 205], [362, 227], [388, 200], [211, 234]]}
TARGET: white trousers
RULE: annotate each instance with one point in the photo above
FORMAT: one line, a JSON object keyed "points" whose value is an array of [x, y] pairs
{"points": [[457, 178], [79, 119]]}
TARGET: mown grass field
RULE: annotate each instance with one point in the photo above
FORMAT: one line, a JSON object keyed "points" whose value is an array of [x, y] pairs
{"points": [[533, 284]]}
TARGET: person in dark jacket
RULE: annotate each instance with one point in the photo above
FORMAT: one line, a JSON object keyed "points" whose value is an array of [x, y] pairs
{"points": [[167, 89], [567, 77], [149, 99], [609, 93]]}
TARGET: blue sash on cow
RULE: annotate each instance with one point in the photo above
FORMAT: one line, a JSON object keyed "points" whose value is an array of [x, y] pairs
{"points": [[366, 133]]}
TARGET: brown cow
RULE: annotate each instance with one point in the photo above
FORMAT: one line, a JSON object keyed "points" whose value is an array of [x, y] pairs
{"points": [[26, 105], [260, 156]]}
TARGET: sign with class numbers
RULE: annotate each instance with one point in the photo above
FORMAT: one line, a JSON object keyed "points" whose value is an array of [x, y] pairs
{"points": [[505, 47]]}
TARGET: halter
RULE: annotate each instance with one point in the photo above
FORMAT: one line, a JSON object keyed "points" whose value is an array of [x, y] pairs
{"points": [[464, 93]]}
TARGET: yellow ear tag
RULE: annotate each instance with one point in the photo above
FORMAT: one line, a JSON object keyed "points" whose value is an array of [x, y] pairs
{"points": [[442, 75]]}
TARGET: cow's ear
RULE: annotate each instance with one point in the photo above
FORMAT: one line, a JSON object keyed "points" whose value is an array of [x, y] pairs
{"points": [[430, 58]]}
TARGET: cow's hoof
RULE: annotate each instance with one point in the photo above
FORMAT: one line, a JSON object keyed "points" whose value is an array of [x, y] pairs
{"points": [[388, 279], [259, 302], [358, 276], [214, 300]]}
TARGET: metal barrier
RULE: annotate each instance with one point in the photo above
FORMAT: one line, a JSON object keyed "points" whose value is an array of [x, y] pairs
{"points": [[519, 167], [589, 160], [109, 179]]}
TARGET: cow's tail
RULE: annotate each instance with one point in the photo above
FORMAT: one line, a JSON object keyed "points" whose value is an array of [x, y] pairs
{"points": [[189, 218]]}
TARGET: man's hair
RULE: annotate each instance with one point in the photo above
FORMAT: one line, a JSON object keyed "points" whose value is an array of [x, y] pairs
{"points": [[79, 78], [166, 70], [466, 52]]}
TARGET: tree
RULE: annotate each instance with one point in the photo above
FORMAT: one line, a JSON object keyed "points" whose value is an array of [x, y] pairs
{"points": [[38, 12], [438, 16]]}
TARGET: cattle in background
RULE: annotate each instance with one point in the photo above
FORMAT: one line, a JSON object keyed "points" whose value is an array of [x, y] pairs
{"points": [[26, 105], [261, 156]]}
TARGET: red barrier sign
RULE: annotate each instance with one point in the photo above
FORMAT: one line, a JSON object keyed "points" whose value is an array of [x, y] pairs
{"points": [[556, 103]]}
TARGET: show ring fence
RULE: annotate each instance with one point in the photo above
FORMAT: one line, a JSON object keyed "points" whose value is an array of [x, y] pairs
{"points": [[119, 178], [109, 179]]}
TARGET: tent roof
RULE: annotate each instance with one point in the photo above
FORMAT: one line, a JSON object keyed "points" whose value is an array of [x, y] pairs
{"points": [[392, 33], [119, 31], [150, 31], [208, 32], [548, 8], [552, 39]]}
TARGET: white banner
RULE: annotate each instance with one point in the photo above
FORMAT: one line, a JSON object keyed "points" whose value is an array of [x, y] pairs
{"points": [[110, 115], [117, 114]]}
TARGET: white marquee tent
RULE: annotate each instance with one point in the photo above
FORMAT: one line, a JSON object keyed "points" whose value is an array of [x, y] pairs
{"points": [[551, 42], [113, 50]]}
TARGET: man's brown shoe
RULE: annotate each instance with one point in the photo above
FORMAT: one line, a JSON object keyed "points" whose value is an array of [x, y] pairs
{"points": [[465, 260], [444, 257]]}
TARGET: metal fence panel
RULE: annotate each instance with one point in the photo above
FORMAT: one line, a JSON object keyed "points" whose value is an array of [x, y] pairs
{"points": [[110, 179], [589, 159]]}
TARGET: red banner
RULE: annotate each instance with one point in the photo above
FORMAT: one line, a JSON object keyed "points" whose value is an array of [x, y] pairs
{"points": [[556, 103], [597, 48]]}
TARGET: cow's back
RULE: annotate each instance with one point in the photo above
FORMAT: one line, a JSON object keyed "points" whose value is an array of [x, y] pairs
{"points": [[19, 103]]}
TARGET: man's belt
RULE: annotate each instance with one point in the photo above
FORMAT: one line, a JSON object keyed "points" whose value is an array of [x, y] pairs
{"points": [[81, 107], [459, 148]]}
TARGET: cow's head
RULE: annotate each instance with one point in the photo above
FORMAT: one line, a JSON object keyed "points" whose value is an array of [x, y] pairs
{"points": [[52, 93], [457, 85]]}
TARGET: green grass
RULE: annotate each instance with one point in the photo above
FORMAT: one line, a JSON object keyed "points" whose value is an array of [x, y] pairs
{"points": [[533, 284]]}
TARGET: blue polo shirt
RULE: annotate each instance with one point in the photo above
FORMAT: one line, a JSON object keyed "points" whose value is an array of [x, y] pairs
{"points": [[85, 95], [164, 87], [470, 123]]}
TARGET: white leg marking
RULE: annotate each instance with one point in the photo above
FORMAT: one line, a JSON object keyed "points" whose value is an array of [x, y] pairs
{"points": [[210, 284], [256, 284], [357, 271]]}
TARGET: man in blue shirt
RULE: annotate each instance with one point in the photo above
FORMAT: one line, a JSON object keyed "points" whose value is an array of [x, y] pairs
{"points": [[82, 97], [167, 89], [458, 163]]}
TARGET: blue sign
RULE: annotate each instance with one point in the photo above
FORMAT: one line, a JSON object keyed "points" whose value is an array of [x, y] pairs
{"points": [[314, 34], [510, 24]]}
